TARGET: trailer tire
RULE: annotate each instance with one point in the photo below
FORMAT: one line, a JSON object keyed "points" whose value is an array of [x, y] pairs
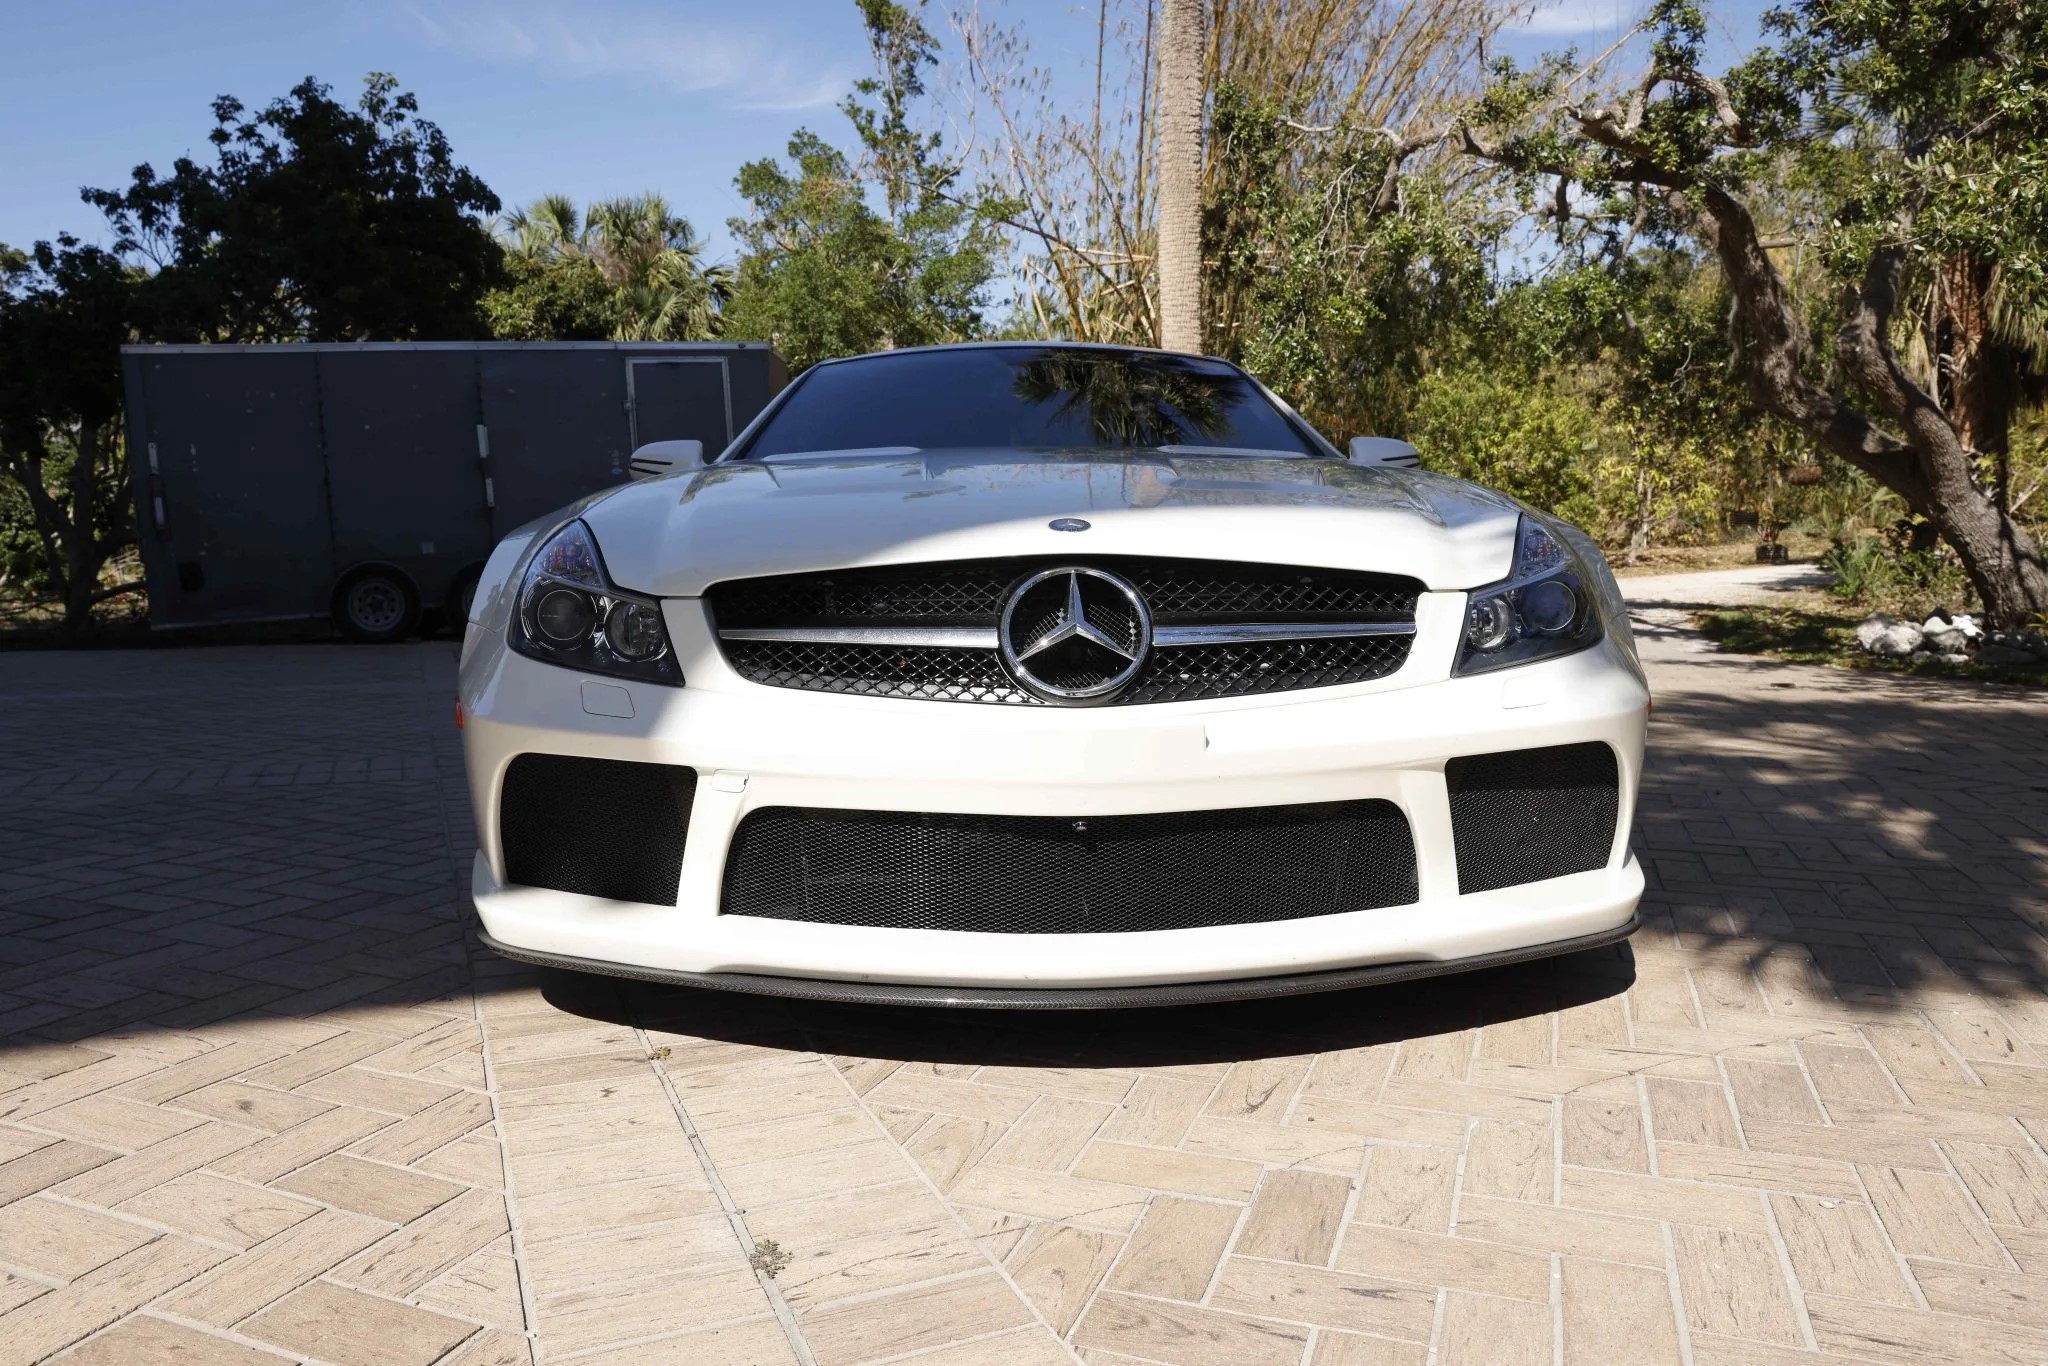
{"points": [[374, 606]]}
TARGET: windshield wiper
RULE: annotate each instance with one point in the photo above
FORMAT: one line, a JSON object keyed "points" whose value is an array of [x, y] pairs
{"points": [[1230, 450], [842, 453]]}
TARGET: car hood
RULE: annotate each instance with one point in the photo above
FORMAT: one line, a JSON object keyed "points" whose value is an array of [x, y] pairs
{"points": [[676, 535]]}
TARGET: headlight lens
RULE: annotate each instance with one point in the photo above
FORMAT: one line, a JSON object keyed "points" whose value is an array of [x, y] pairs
{"points": [[563, 614], [1490, 623], [571, 615], [1550, 607], [1544, 609], [634, 630]]}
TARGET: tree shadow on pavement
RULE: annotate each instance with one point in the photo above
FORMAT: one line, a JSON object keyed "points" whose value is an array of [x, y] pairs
{"points": [[1890, 832]]}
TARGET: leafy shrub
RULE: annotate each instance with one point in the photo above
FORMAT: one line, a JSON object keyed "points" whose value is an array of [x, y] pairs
{"points": [[23, 569], [1890, 573], [1531, 441]]}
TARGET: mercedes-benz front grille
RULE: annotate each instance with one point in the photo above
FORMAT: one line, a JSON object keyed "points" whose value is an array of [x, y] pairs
{"points": [[933, 632]]}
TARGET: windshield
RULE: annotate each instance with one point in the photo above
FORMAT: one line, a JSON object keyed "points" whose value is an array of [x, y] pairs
{"points": [[1027, 398]]}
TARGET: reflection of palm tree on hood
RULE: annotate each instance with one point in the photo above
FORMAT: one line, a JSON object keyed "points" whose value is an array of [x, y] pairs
{"points": [[1129, 400]]}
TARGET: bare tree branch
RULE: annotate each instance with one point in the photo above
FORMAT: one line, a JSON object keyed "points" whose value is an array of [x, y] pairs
{"points": [[1739, 134]]}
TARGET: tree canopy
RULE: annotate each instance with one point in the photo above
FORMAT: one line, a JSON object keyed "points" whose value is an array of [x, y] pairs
{"points": [[628, 269], [65, 310], [1903, 139], [313, 222], [824, 271]]}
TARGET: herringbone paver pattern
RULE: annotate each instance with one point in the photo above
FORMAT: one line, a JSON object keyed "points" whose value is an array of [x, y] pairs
{"points": [[259, 1101]]}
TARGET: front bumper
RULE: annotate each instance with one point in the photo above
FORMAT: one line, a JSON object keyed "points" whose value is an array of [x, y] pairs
{"points": [[1066, 998], [755, 746]]}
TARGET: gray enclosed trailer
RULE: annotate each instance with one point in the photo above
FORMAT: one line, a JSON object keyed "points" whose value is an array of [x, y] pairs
{"points": [[370, 481]]}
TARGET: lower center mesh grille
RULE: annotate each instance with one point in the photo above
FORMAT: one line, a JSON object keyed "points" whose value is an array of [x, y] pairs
{"points": [[1069, 875]]}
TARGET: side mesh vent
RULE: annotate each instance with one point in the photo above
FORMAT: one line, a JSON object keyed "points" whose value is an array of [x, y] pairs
{"points": [[1529, 814], [596, 827]]}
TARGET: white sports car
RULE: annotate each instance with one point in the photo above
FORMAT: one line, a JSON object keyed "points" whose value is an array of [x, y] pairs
{"points": [[1029, 674]]}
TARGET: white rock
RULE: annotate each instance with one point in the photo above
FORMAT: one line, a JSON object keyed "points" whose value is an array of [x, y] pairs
{"points": [[1946, 639], [1871, 629]]}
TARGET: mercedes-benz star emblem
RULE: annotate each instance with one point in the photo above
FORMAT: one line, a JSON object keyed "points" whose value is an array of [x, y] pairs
{"points": [[1074, 635], [1068, 524]]}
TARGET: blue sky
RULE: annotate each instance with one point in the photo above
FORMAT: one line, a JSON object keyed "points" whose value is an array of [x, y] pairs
{"points": [[585, 97]]}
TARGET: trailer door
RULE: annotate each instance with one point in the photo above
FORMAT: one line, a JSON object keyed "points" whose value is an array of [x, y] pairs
{"points": [[244, 485], [406, 482], [554, 428], [674, 398]]}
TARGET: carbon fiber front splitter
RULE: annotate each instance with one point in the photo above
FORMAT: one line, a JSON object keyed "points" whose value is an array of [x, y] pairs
{"points": [[1066, 998]]}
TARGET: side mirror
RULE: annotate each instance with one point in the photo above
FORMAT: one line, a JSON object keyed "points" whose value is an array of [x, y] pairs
{"points": [[664, 457], [1384, 450]]}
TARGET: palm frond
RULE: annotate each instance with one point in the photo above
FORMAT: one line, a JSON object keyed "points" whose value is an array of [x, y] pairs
{"points": [[2018, 318]]}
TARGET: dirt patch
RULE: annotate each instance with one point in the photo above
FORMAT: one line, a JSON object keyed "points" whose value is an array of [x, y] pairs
{"points": [[1678, 559]]}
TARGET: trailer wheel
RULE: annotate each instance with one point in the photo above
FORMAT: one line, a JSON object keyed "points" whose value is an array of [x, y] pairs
{"points": [[376, 605]]}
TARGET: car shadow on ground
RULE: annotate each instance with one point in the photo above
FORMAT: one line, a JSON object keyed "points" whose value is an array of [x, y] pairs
{"points": [[1165, 1036], [1882, 842], [248, 834]]}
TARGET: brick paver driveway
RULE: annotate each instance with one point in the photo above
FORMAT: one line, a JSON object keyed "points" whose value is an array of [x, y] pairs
{"points": [[258, 1100]]}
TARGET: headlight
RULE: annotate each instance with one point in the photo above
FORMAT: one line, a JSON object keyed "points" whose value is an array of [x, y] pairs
{"points": [[1545, 608], [570, 614]]}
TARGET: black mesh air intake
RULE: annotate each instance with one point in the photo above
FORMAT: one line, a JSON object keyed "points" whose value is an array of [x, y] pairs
{"points": [[1528, 814], [598, 827], [1069, 875]]}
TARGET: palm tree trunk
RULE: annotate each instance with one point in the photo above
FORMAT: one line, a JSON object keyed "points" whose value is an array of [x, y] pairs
{"points": [[1183, 39]]}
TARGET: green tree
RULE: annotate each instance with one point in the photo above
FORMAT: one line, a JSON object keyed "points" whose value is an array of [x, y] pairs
{"points": [[551, 299], [1537, 441], [65, 311], [629, 269], [1330, 286], [1077, 154], [1913, 135], [313, 222], [1640, 341], [824, 273]]}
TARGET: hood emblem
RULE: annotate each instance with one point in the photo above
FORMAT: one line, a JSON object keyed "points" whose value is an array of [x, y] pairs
{"points": [[1068, 524], [1074, 635]]}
